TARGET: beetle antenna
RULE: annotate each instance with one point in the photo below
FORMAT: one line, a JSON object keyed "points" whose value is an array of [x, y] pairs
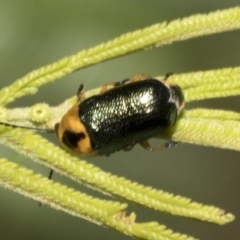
{"points": [[23, 127]]}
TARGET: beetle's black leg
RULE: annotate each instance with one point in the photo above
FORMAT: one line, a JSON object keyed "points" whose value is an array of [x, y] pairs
{"points": [[167, 76], [147, 146], [80, 93], [80, 89], [136, 78]]}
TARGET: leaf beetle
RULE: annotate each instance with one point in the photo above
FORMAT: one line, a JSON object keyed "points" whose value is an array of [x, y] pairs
{"points": [[120, 116]]}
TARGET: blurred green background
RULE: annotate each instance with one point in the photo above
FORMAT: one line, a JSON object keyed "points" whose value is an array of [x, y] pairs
{"points": [[36, 33]]}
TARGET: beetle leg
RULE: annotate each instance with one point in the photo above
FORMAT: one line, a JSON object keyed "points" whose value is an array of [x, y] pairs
{"points": [[111, 85], [139, 77], [80, 93], [136, 78], [167, 76], [147, 146], [125, 81]]}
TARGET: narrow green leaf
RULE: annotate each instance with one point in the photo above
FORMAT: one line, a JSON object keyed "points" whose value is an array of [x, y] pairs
{"points": [[108, 213], [154, 36]]}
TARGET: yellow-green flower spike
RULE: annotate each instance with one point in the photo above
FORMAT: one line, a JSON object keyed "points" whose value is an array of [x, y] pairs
{"points": [[108, 213]]}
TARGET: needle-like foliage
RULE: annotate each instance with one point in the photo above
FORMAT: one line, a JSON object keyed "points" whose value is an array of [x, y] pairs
{"points": [[216, 128]]}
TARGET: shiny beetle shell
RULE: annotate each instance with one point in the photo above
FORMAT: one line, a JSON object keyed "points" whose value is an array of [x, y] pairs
{"points": [[130, 112]]}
